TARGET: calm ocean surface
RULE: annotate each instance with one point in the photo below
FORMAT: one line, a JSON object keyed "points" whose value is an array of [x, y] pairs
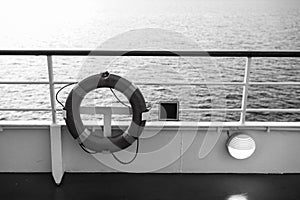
{"points": [[204, 25]]}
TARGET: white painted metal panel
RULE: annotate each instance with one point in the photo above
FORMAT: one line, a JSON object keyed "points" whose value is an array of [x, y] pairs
{"points": [[26, 150]]}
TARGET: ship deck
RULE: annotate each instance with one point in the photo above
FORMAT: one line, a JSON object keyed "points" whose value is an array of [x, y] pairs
{"points": [[48, 147], [150, 186]]}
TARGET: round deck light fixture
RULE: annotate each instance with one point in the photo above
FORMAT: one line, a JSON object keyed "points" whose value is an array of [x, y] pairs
{"points": [[240, 145]]}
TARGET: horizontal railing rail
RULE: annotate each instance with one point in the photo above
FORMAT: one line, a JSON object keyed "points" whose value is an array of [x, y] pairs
{"points": [[153, 83], [287, 110], [184, 53]]}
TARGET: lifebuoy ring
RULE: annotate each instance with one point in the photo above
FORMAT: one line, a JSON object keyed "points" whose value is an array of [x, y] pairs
{"points": [[86, 137]]}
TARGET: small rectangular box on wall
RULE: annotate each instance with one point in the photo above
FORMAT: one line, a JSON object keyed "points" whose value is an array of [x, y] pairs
{"points": [[168, 111]]}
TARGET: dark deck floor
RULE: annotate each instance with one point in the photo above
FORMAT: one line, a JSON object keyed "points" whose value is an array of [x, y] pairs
{"points": [[150, 186]]}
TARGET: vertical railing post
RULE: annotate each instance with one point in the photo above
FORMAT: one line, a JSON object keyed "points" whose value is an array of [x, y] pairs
{"points": [[51, 88], [245, 90], [55, 131]]}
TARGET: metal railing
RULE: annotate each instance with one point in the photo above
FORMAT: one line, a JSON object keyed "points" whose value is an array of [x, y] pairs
{"points": [[246, 83]]}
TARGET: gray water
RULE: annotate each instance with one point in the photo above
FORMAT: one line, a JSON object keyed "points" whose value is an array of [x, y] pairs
{"points": [[245, 25]]}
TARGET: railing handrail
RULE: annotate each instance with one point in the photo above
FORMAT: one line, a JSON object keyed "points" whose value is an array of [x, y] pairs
{"points": [[287, 110], [248, 54], [24, 82], [187, 53]]}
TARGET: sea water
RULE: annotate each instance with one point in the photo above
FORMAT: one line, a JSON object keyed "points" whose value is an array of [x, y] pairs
{"points": [[216, 24]]}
